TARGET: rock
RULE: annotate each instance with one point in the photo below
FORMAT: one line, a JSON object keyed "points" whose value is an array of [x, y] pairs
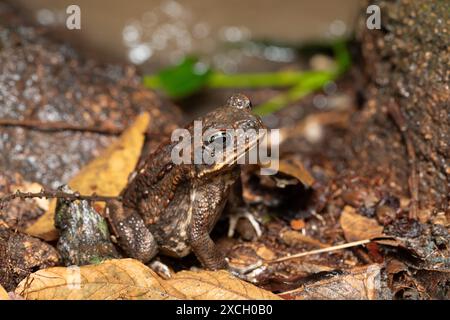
{"points": [[84, 235]]}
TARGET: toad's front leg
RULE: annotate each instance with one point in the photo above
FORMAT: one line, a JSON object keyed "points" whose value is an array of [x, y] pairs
{"points": [[134, 237], [206, 208]]}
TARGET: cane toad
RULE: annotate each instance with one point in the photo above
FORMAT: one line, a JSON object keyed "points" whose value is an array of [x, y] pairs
{"points": [[171, 208]]}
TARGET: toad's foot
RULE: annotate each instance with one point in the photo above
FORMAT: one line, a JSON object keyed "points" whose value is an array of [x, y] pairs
{"points": [[248, 272], [246, 214]]}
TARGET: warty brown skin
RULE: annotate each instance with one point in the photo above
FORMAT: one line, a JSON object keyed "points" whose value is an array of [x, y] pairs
{"points": [[171, 208]]}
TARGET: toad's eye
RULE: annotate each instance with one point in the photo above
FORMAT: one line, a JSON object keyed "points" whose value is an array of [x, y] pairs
{"points": [[219, 139]]}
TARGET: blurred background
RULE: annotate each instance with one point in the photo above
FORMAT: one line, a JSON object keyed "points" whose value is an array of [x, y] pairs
{"points": [[220, 37], [154, 33]]}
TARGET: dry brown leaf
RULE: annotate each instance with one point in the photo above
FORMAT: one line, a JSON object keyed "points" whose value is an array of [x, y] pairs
{"points": [[113, 279], [294, 168], [242, 255], [357, 227], [3, 294], [106, 175], [361, 283], [265, 253], [295, 238], [217, 285], [130, 279]]}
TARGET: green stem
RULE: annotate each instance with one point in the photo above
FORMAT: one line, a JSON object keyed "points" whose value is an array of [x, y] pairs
{"points": [[246, 80], [258, 80], [300, 83], [298, 91], [312, 82], [152, 81]]}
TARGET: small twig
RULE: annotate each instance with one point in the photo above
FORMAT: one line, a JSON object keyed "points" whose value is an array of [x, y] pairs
{"points": [[59, 126], [262, 263], [55, 194], [413, 180], [63, 126], [329, 249]]}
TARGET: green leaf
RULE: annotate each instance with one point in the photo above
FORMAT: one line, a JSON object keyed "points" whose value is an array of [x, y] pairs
{"points": [[181, 80]]}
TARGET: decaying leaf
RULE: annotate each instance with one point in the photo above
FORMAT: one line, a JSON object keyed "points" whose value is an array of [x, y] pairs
{"points": [[130, 279], [265, 253], [106, 175], [357, 227], [3, 294], [248, 253], [430, 243], [294, 168], [361, 283], [436, 283], [295, 238], [217, 285], [112, 279]]}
